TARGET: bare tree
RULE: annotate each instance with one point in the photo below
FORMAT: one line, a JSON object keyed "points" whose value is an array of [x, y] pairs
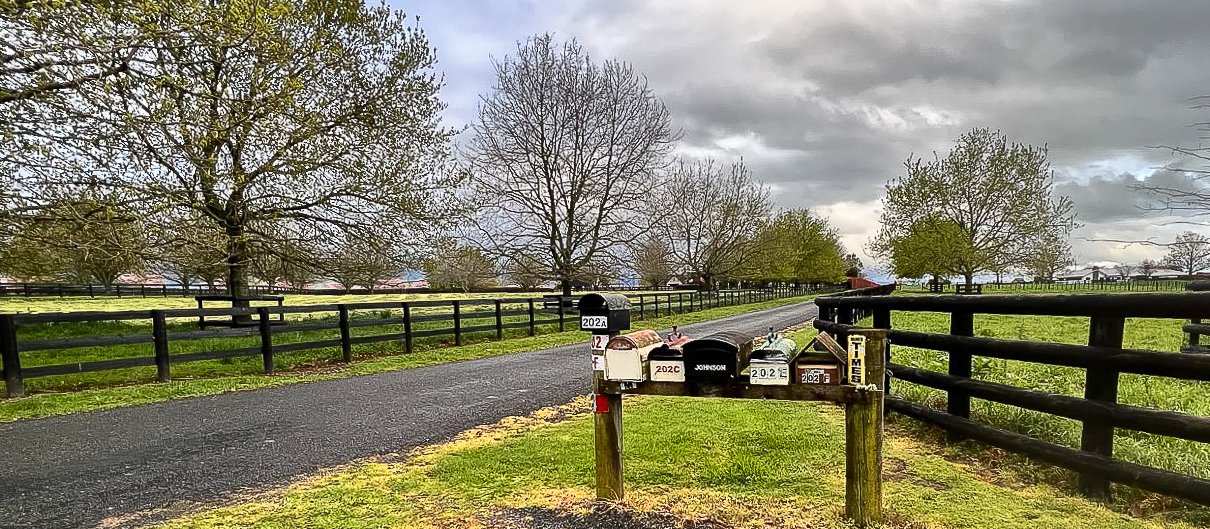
{"points": [[460, 268], [1126, 271], [652, 261], [525, 271], [721, 209], [1148, 268], [363, 262], [564, 149], [1189, 253]]}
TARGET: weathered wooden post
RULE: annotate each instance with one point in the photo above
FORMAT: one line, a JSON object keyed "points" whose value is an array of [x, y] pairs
{"points": [[346, 340], [10, 358], [958, 402], [532, 330], [407, 328], [457, 323], [159, 336], [863, 427], [266, 338], [499, 321], [605, 315], [1101, 385]]}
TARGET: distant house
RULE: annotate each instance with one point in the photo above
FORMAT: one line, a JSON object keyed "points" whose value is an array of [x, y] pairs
{"points": [[1094, 273]]}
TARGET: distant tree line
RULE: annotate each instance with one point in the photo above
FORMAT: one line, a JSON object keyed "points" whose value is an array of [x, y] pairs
{"points": [[284, 141]]}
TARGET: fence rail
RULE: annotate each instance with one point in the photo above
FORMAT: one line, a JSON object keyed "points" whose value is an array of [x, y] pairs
{"points": [[1103, 359], [1133, 285], [465, 317]]}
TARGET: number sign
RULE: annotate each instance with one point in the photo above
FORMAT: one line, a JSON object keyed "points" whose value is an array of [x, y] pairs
{"points": [[594, 322], [598, 342]]}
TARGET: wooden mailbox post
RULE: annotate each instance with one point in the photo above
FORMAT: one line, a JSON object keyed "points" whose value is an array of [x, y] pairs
{"points": [[862, 398]]}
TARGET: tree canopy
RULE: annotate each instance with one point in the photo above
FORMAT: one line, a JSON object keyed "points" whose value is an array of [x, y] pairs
{"points": [[992, 201], [797, 246]]}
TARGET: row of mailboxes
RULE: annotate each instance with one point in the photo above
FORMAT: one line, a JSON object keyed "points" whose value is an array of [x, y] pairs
{"points": [[720, 358]]}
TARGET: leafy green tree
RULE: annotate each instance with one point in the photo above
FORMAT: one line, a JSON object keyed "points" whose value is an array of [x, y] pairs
{"points": [[82, 241], [853, 266], [797, 247], [272, 122], [1051, 256], [931, 246], [995, 196]]}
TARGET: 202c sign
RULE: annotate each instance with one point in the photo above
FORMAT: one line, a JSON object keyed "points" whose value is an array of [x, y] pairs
{"points": [[594, 322]]}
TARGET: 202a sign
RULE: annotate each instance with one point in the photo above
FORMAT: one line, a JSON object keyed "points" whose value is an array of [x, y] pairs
{"points": [[594, 322]]}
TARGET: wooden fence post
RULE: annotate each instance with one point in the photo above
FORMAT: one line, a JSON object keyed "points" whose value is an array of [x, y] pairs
{"points": [[959, 402], [561, 327], [499, 322], [346, 341], [607, 438], [863, 438], [1101, 385], [407, 328], [680, 302], [10, 358], [657, 305], [266, 338], [882, 320], [532, 330], [641, 305], [159, 335], [457, 322]]}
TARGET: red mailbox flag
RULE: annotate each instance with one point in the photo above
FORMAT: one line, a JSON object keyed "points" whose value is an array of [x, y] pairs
{"points": [[600, 403]]}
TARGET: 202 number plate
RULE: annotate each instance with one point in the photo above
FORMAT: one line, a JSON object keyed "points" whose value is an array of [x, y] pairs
{"points": [[594, 322], [769, 375]]}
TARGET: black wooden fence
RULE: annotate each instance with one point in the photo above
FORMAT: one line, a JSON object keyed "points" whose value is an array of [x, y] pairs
{"points": [[150, 290], [1133, 285], [1103, 359], [465, 316]]}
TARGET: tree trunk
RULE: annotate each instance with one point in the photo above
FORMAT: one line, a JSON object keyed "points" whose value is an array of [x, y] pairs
{"points": [[970, 278], [237, 273], [566, 287]]}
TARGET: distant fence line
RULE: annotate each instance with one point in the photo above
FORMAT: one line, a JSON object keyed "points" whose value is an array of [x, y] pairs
{"points": [[481, 317], [150, 290], [1133, 285]]}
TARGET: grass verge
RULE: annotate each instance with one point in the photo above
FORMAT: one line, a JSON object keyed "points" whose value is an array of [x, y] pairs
{"points": [[384, 358], [688, 463]]}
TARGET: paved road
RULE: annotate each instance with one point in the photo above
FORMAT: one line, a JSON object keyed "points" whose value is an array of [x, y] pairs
{"points": [[77, 470]]}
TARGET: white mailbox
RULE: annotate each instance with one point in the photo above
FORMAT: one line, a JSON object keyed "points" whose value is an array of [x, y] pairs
{"points": [[771, 363], [626, 356]]}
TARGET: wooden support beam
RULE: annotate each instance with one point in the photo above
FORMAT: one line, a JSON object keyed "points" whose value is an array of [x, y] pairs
{"points": [[863, 437]]}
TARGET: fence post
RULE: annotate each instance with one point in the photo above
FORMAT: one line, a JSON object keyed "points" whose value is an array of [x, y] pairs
{"points": [[266, 338], [532, 330], [561, 328], [958, 402], [164, 288], [143, 291], [457, 322], [641, 305], [863, 439], [1101, 385], [90, 294], [680, 302], [499, 322], [607, 440], [159, 335], [346, 341], [407, 328], [10, 358], [882, 320]]}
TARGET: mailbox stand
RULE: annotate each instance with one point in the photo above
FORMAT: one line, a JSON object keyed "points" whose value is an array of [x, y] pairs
{"points": [[863, 424]]}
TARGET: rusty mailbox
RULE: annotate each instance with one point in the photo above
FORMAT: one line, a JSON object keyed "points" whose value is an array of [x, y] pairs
{"points": [[667, 362], [626, 356], [718, 357]]}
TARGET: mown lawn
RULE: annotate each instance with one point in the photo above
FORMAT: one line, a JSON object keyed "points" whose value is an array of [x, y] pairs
{"points": [[108, 389], [1149, 391], [744, 464]]}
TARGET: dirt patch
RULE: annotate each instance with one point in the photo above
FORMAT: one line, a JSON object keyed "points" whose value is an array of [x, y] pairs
{"points": [[599, 516], [896, 470]]}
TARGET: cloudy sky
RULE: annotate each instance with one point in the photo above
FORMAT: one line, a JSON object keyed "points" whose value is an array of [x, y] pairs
{"points": [[826, 100]]}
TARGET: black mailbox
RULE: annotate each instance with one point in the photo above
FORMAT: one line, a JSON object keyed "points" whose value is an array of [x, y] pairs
{"points": [[604, 313], [718, 357]]}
